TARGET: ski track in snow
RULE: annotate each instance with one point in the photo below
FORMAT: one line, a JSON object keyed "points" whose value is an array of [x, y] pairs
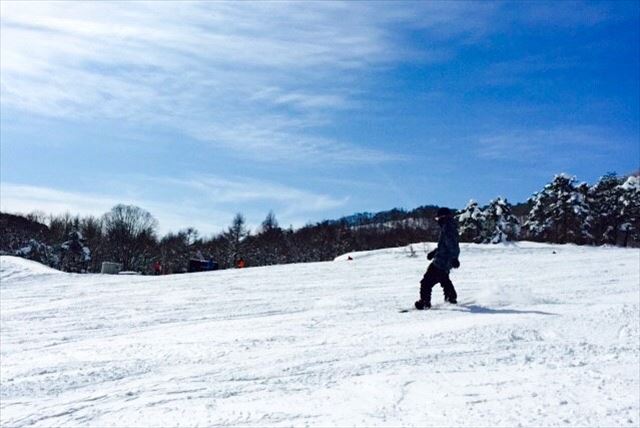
{"points": [[545, 335]]}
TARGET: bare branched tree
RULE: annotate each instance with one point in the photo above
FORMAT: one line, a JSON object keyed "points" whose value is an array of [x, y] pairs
{"points": [[130, 234]]}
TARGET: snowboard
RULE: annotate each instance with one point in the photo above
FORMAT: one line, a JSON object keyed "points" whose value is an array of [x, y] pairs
{"points": [[432, 308], [437, 306]]}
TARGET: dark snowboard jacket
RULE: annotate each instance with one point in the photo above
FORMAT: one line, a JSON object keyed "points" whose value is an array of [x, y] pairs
{"points": [[448, 249]]}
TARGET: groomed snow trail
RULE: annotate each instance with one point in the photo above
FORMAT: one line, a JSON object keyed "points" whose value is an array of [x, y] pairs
{"points": [[544, 336]]}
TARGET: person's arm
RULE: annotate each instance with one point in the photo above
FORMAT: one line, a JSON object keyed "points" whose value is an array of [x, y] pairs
{"points": [[451, 242]]}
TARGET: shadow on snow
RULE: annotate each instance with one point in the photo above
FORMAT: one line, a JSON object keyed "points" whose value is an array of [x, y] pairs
{"points": [[476, 309]]}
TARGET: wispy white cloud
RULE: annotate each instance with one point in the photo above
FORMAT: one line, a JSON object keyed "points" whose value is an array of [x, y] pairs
{"points": [[205, 202], [275, 138], [240, 190], [526, 145], [254, 75], [21, 198]]}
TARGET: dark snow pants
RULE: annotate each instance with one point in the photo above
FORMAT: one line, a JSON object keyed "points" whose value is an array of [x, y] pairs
{"points": [[433, 276]]}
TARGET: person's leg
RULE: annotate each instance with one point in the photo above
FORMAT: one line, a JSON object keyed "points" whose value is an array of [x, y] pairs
{"points": [[429, 279], [450, 294], [445, 291]]}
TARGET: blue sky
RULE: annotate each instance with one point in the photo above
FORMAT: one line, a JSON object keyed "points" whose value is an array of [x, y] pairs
{"points": [[315, 110]]}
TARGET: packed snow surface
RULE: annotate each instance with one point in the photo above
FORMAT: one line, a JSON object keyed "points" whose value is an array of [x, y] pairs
{"points": [[543, 336]]}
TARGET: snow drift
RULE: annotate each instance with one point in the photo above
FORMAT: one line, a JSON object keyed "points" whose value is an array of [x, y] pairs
{"points": [[544, 336], [14, 268]]}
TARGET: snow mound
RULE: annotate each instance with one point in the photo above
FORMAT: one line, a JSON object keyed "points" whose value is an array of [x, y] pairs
{"points": [[13, 268]]}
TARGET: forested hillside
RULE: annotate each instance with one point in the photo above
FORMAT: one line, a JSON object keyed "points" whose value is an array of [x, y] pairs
{"points": [[564, 211]]}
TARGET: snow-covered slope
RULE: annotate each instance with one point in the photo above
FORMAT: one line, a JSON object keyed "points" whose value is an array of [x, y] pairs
{"points": [[13, 268], [544, 336]]}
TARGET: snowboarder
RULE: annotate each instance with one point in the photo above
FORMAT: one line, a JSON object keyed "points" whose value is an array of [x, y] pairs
{"points": [[445, 256]]}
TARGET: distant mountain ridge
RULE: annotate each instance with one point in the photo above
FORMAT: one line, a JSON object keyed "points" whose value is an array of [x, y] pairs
{"points": [[399, 215]]}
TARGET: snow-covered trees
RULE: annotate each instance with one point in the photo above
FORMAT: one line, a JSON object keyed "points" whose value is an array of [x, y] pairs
{"points": [[605, 213], [492, 224], [74, 255], [564, 211], [500, 224], [471, 222], [605, 202], [560, 212], [38, 251], [26, 237], [630, 209]]}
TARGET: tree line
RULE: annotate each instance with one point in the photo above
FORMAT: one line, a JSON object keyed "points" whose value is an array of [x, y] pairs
{"points": [[564, 211]]}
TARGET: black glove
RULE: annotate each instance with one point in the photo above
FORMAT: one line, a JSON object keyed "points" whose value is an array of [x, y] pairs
{"points": [[431, 255], [455, 263]]}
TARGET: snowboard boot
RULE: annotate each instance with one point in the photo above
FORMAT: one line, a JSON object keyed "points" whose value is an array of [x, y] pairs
{"points": [[420, 305], [451, 300]]}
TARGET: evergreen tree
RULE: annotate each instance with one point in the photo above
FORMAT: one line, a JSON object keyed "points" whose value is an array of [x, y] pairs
{"points": [[471, 220], [74, 254], [39, 252], [270, 222], [234, 236], [270, 246], [560, 212], [630, 211], [582, 216], [606, 209], [500, 225], [539, 225]]}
